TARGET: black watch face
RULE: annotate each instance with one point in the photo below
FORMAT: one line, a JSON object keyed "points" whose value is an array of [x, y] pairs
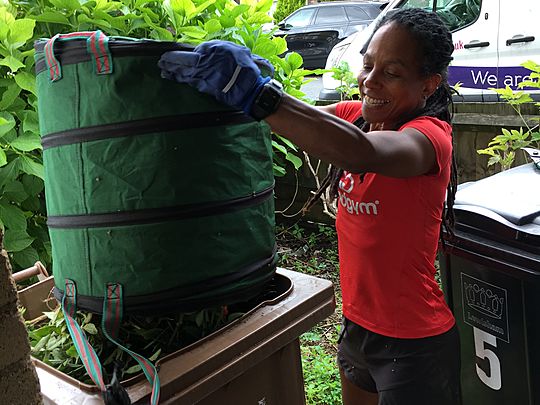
{"points": [[267, 101]]}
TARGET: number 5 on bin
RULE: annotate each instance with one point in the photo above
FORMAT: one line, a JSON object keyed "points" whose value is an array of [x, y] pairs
{"points": [[493, 378]]}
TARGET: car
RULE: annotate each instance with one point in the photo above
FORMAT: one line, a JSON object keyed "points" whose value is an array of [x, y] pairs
{"points": [[312, 31], [491, 40]]}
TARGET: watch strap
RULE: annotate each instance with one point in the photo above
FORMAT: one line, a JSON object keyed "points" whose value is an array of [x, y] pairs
{"points": [[267, 101]]}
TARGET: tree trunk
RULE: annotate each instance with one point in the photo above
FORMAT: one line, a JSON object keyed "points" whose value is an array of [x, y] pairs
{"points": [[19, 384]]}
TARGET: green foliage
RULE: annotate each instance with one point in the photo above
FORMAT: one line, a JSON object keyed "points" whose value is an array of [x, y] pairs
{"points": [[22, 213], [310, 251], [51, 343], [149, 336], [290, 73], [348, 83], [321, 376], [502, 148], [286, 7], [22, 210]]}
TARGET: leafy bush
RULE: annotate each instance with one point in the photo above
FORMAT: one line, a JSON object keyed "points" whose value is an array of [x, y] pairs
{"points": [[286, 7], [348, 83], [502, 148], [22, 210], [321, 375]]}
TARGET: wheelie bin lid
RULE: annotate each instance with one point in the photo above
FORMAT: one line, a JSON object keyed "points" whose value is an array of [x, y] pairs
{"points": [[503, 207]]}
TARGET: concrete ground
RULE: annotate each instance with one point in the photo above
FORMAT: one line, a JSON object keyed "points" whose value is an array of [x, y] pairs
{"points": [[312, 89]]}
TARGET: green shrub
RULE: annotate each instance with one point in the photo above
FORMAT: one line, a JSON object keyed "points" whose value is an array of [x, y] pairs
{"points": [[503, 148], [321, 375], [286, 7], [348, 83]]}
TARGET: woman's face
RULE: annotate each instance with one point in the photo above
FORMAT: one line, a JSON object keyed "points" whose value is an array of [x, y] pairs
{"points": [[390, 82]]}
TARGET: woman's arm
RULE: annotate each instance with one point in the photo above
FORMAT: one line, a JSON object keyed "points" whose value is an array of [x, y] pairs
{"points": [[319, 132], [330, 108], [316, 130]]}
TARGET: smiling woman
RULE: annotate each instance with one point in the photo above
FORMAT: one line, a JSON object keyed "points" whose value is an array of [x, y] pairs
{"points": [[392, 153], [392, 84]]}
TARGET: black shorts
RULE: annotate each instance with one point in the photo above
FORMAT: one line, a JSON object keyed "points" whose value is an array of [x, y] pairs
{"points": [[423, 371]]}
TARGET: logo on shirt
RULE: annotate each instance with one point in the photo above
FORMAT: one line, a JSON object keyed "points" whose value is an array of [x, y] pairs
{"points": [[346, 185]]}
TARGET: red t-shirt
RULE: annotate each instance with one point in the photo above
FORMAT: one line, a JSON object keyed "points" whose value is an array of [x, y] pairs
{"points": [[388, 230]]}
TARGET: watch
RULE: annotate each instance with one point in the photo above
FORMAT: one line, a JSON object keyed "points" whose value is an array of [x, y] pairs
{"points": [[267, 101]]}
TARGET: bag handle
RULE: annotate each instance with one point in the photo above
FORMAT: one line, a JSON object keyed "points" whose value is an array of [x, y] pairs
{"points": [[110, 325], [97, 46], [86, 352], [111, 321]]}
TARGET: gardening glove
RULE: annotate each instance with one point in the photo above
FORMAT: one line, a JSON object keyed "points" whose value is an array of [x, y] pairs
{"points": [[263, 64], [227, 71]]}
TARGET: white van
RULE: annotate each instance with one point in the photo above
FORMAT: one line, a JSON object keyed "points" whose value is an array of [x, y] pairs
{"points": [[491, 39]]}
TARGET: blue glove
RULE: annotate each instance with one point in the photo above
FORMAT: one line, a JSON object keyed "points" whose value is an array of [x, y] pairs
{"points": [[263, 63], [227, 71]]}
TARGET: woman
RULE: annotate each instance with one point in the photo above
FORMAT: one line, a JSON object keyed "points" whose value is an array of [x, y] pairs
{"points": [[399, 343]]}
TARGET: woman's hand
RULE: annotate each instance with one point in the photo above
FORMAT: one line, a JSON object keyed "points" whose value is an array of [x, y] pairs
{"points": [[227, 71]]}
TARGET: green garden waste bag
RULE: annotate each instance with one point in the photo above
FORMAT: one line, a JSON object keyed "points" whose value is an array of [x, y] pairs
{"points": [[149, 185]]}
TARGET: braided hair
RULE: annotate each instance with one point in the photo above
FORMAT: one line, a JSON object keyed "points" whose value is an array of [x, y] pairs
{"points": [[435, 44]]}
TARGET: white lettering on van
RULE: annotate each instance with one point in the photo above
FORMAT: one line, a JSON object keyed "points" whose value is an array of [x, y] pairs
{"points": [[490, 78], [357, 208], [513, 81]]}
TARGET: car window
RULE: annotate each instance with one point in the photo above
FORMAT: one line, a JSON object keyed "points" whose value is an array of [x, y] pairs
{"points": [[425, 4], [330, 15], [456, 14], [301, 18], [374, 10], [459, 13], [357, 13]]}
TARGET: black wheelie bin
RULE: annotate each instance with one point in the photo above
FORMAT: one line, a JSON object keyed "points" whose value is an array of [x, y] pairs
{"points": [[490, 272]]}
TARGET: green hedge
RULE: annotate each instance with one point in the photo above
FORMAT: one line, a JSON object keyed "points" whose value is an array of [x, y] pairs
{"points": [[286, 7]]}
